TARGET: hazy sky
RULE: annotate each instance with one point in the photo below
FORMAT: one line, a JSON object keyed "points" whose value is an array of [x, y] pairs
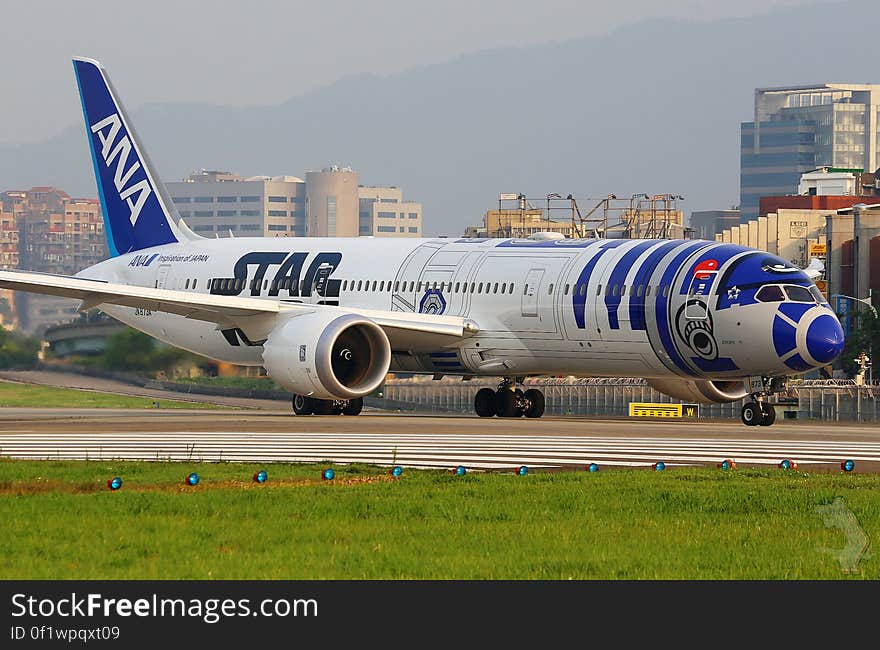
{"points": [[263, 51]]}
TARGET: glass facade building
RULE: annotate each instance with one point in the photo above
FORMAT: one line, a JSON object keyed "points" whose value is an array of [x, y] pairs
{"points": [[798, 129]]}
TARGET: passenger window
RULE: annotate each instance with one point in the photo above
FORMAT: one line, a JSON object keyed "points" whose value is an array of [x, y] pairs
{"points": [[647, 291], [473, 285], [382, 286], [480, 288], [344, 285], [666, 291], [511, 287], [194, 283], [798, 294], [374, 285], [614, 290], [495, 288], [598, 289], [187, 284], [565, 291], [550, 289], [457, 285], [622, 289], [640, 290], [772, 293]]}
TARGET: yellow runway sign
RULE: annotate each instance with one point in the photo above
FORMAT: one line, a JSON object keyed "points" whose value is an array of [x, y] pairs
{"points": [[657, 410]]}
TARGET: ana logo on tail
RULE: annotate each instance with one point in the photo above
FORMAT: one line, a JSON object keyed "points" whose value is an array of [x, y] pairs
{"points": [[135, 194]]}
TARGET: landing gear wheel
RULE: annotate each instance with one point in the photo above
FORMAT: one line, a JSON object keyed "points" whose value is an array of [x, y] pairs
{"points": [[535, 398], [751, 414], [506, 404], [302, 405], [484, 403], [769, 415], [353, 407], [323, 407]]}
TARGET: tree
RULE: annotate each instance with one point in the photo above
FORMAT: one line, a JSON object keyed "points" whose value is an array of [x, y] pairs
{"points": [[17, 351], [134, 350]]}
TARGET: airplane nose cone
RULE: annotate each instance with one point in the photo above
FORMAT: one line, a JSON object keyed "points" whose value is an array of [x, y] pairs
{"points": [[825, 339]]}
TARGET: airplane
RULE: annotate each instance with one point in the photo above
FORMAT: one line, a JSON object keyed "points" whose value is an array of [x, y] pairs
{"points": [[329, 318]]}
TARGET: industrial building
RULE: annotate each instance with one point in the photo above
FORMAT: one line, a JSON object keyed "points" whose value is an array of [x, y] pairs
{"points": [[798, 128]]}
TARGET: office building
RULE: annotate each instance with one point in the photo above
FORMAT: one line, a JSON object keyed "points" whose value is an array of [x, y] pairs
{"points": [[215, 203], [800, 128], [382, 212], [705, 224], [328, 203]]}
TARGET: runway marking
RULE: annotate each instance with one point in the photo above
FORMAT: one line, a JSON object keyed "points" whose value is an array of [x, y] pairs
{"points": [[428, 450]]}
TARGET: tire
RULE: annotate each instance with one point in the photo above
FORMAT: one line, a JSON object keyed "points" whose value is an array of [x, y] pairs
{"points": [[769, 415], [484, 403], [536, 403], [302, 405], [751, 414], [506, 404], [353, 406], [323, 407]]}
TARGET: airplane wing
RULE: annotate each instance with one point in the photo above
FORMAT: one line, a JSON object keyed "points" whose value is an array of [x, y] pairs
{"points": [[404, 329]]}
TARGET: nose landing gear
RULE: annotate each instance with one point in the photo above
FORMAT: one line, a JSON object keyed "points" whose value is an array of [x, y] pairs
{"points": [[509, 401], [757, 411]]}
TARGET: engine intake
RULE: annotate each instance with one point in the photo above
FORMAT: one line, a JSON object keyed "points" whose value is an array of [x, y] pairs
{"points": [[701, 391], [328, 355]]}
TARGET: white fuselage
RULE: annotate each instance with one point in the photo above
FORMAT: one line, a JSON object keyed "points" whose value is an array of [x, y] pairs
{"points": [[558, 307]]}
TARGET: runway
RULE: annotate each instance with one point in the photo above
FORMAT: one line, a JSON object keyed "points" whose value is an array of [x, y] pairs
{"points": [[430, 442]]}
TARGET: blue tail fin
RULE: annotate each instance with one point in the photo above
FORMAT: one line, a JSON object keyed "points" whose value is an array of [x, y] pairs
{"points": [[137, 210]]}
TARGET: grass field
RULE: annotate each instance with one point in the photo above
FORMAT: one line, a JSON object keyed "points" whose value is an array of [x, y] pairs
{"points": [[32, 396], [60, 521]]}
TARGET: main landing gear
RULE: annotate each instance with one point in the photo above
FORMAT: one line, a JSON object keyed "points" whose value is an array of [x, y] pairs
{"points": [[509, 401], [304, 405], [757, 412]]}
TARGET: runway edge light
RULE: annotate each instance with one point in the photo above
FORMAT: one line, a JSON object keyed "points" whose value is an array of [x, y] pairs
{"points": [[522, 470], [848, 465], [114, 483], [328, 474], [261, 476], [659, 466], [461, 470], [592, 467], [192, 479]]}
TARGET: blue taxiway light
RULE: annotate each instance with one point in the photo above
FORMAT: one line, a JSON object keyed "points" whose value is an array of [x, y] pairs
{"points": [[261, 476], [114, 483], [592, 467], [522, 470], [659, 466], [397, 470], [192, 479], [727, 464], [460, 470], [848, 465], [328, 474], [788, 464]]}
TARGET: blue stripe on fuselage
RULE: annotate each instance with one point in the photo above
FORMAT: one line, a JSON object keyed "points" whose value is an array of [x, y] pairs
{"points": [[643, 278], [618, 277], [579, 300]]}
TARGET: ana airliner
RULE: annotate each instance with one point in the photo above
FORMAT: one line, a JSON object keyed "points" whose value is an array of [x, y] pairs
{"points": [[328, 318]]}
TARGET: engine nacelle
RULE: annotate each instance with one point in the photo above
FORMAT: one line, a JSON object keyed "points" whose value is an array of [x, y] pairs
{"points": [[701, 391], [328, 355]]}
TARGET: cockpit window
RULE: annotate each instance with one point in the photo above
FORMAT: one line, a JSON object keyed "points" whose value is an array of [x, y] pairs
{"points": [[817, 294], [799, 294], [770, 293]]}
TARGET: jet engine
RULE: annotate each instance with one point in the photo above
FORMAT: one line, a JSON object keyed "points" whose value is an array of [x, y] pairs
{"points": [[701, 390], [328, 355]]}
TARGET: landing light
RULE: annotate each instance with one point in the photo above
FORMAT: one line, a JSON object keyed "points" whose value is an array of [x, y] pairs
{"points": [[192, 479], [397, 470], [328, 474], [114, 483], [592, 467], [460, 470], [659, 466], [848, 465], [261, 476], [522, 470]]}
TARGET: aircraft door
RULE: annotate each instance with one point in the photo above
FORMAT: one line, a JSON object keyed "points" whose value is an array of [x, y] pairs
{"points": [[530, 293], [162, 276], [700, 289]]}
